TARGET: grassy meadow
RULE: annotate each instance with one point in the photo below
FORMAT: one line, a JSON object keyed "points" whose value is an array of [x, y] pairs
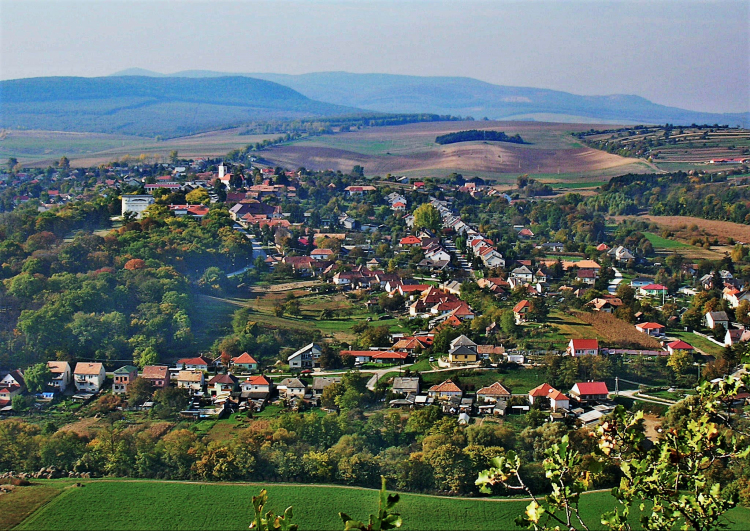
{"points": [[146, 505]]}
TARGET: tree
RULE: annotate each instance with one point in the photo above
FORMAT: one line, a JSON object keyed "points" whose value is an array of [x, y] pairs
{"points": [[214, 280], [147, 356], [139, 391], [426, 216], [673, 474], [37, 377], [199, 196], [12, 161], [173, 156]]}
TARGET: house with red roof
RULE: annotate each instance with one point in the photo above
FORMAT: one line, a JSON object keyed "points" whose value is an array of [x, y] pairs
{"points": [[245, 361], [520, 310], [157, 375], [540, 392], [255, 387], [558, 401], [653, 290], [679, 345], [409, 241], [493, 393], [583, 347], [194, 364], [651, 329], [586, 391]]}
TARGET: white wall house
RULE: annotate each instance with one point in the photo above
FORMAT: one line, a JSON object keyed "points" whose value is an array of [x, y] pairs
{"points": [[89, 377], [136, 204]]}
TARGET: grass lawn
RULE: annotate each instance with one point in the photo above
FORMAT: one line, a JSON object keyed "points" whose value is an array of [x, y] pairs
{"points": [[699, 342], [145, 505], [663, 243]]}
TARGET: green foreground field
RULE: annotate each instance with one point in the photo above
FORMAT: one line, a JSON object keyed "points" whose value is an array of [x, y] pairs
{"points": [[144, 505]]}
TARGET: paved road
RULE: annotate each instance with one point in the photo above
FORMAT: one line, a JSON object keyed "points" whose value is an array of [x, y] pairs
{"points": [[257, 251], [635, 395], [615, 282]]}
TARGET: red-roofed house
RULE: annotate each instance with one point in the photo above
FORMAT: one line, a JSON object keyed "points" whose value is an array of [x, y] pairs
{"points": [[256, 385], [653, 290], [557, 400], [409, 241], [584, 391], [245, 361], [520, 310], [540, 391], [679, 345], [194, 364], [158, 375], [582, 347], [652, 329]]}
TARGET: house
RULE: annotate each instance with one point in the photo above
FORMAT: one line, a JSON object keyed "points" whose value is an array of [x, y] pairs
{"points": [[292, 387], [89, 377], [717, 318], [462, 350], [306, 357], [191, 380], [679, 345], [581, 347], [493, 393], [605, 305], [522, 273], [61, 375], [256, 387], [157, 375], [586, 391], [322, 254], [223, 383], [558, 401], [245, 361], [586, 276], [640, 282], [7, 392], [734, 336], [651, 329], [319, 384], [405, 385], [123, 377], [444, 390], [194, 364], [137, 204], [620, 254], [520, 310], [540, 393], [653, 290]]}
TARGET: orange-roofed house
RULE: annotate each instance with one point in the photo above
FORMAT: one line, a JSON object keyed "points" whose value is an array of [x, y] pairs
{"points": [[493, 393], [444, 390], [585, 391], [520, 310], [583, 347], [558, 401], [198, 363], [409, 241], [540, 392], [255, 385], [245, 361], [89, 377]]}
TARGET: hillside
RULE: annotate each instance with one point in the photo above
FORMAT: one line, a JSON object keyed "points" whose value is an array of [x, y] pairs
{"points": [[149, 106], [471, 97]]}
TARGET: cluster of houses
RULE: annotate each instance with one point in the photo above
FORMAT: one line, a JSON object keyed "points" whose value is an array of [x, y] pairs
{"points": [[587, 401]]}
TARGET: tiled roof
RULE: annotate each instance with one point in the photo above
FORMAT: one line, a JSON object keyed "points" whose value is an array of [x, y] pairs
{"points": [[446, 387]]}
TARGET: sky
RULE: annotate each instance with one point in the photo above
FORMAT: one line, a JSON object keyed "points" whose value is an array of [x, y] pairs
{"points": [[682, 53]]}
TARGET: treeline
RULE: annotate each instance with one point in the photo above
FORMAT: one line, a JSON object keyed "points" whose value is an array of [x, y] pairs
{"points": [[422, 451], [706, 196], [474, 134], [343, 123], [125, 295]]}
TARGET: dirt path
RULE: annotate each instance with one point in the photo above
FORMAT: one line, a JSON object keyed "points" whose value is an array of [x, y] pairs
{"points": [[287, 286]]}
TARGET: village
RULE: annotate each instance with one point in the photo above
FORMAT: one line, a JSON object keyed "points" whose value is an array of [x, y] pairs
{"points": [[435, 263]]}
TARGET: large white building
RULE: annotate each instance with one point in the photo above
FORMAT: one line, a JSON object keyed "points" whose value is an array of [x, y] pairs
{"points": [[136, 204]]}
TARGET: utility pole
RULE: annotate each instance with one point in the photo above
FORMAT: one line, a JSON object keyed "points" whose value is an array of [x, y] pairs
{"points": [[617, 386]]}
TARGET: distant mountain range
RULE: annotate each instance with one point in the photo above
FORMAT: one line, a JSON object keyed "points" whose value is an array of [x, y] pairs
{"points": [[465, 96], [141, 102], [148, 105]]}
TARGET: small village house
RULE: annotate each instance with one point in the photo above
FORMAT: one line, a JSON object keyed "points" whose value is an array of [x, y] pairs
{"points": [[89, 377], [122, 378]]}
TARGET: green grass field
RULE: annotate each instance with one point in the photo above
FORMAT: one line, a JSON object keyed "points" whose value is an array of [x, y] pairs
{"points": [[145, 505], [663, 243], [517, 380], [699, 342]]}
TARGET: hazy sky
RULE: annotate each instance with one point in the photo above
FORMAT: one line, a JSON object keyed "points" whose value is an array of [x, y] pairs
{"points": [[694, 55]]}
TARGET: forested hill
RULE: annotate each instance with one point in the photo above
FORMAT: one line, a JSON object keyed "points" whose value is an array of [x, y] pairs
{"points": [[466, 96], [151, 106]]}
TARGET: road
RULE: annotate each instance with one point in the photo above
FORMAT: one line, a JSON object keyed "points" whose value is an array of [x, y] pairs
{"points": [[615, 282], [257, 251]]}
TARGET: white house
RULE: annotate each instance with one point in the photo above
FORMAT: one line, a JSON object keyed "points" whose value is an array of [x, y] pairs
{"points": [[306, 357], [581, 347], [291, 387], [89, 377], [61, 375], [714, 318], [137, 204]]}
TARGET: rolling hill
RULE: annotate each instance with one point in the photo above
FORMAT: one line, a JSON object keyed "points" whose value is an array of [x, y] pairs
{"points": [[149, 106], [471, 97]]}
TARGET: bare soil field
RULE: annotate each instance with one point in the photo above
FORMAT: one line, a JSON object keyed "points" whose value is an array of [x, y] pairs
{"points": [[412, 149], [41, 148], [686, 227]]}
